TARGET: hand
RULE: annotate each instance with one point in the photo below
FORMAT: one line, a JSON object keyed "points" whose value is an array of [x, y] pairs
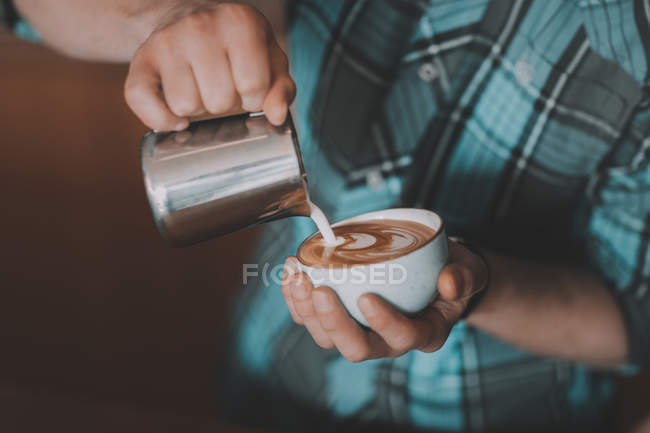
{"points": [[392, 334], [209, 57]]}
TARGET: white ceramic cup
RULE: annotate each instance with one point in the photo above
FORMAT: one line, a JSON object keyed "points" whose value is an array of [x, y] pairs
{"points": [[408, 283]]}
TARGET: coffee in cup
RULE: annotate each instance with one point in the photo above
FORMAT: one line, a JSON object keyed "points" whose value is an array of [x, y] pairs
{"points": [[365, 243], [396, 254]]}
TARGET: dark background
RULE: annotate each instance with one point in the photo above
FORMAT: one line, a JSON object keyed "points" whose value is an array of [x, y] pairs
{"points": [[94, 308], [102, 326]]}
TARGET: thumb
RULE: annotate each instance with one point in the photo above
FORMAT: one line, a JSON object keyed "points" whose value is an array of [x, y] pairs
{"points": [[291, 268], [456, 282]]}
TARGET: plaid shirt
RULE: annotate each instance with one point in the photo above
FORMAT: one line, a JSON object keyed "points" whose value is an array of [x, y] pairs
{"points": [[10, 20], [526, 125], [7, 14]]}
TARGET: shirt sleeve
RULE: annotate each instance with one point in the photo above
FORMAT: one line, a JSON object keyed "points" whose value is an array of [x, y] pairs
{"points": [[617, 229], [7, 15], [13, 22]]}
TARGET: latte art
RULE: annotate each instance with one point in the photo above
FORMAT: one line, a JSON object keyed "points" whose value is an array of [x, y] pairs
{"points": [[366, 242]]}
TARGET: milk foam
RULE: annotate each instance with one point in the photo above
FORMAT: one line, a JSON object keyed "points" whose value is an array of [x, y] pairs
{"points": [[365, 242], [323, 225]]}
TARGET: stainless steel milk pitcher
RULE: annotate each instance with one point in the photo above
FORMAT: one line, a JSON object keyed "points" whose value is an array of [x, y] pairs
{"points": [[222, 175]]}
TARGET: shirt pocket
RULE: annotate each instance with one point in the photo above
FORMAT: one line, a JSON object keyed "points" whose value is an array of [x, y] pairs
{"points": [[581, 115], [584, 110]]}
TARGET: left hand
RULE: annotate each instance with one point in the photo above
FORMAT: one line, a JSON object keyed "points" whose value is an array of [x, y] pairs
{"points": [[392, 334], [209, 57]]}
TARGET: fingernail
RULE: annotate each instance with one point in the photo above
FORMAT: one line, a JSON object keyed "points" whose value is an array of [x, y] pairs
{"points": [[367, 306], [290, 267], [321, 302], [298, 288], [288, 276], [181, 126], [278, 115], [182, 137]]}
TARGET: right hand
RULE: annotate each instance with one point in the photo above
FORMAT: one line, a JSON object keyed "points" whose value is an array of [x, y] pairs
{"points": [[208, 57], [391, 333]]}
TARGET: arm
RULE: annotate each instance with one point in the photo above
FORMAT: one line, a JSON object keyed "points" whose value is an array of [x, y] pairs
{"points": [[99, 30], [553, 310], [107, 30], [188, 57]]}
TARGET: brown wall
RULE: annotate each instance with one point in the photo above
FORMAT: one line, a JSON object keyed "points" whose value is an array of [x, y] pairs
{"points": [[92, 302]]}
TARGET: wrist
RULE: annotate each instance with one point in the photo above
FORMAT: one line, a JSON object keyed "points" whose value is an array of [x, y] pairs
{"points": [[145, 19], [499, 287], [10, 15], [171, 12], [477, 298]]}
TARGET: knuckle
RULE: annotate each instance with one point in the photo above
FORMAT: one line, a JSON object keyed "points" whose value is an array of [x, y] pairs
{"points": [[380, 322], [131, 94], [199, 22], [255, 87], [160, 43], [323, 343], [233, 8], [405, 343], [201, 26], [356, 355], [182, 107], [303, 308], [240, 14], [134, 91], [251, 105], [218, 104], [328, 322]]}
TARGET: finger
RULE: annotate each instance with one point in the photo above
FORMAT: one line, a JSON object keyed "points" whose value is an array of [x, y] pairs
{"points": [[180, 88], [436, 325], [288, 271], [144, 96], [248, 51], [292, 308], [216, 85], [398, 331], [455, 282], [300, 288], [456, 285], [283, 90], [466, 275], [354, 343]]}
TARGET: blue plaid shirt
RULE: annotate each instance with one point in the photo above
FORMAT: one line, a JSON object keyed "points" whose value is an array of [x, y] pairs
{"points": [[515, 120], [526, 125], [10, 19]]}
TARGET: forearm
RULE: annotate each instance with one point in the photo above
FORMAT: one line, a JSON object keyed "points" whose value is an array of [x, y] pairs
{"points": [[553, 310], [102, 30]]}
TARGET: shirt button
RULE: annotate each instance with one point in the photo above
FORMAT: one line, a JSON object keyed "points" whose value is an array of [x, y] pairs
{"points": [[524, 72], [375, 180], [428, 72]]}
